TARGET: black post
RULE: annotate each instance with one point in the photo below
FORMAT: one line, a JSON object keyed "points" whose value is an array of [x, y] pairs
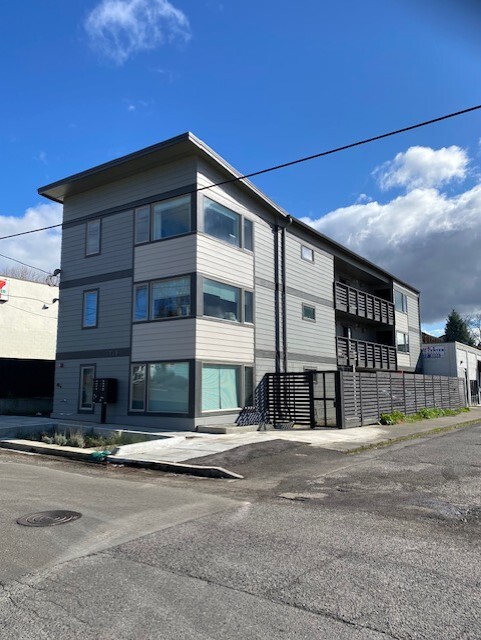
{"points": [[103, 412]]}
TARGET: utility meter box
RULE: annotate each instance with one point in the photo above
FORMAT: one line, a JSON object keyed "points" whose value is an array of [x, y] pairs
{"points": [[105, 390]]}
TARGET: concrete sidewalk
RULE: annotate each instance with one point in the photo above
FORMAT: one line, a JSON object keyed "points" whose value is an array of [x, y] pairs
{"points": [[190, 446]]}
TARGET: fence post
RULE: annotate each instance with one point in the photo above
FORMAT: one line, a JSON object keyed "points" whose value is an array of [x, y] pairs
{"points": [[311, 398], [340, 409]]}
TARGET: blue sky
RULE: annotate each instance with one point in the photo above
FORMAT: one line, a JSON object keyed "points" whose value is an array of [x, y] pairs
{"points": [[263, 82]]}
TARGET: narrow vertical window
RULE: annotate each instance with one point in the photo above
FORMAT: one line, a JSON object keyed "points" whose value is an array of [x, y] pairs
{"points": [[249, 387], [137, 387], [87, 374], [90, 309], [248, 306], [248, 235], [141, 302], [92, 239], [142, 224]]}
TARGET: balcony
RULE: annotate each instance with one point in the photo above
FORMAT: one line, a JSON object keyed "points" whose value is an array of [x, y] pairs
{"points": [[366, 355], [363, 304]]}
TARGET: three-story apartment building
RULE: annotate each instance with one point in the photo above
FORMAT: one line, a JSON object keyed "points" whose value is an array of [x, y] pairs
{"points": [[187, 284]]}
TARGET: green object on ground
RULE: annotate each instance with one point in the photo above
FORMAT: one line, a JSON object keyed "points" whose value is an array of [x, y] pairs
{"points": [[99, 456]]}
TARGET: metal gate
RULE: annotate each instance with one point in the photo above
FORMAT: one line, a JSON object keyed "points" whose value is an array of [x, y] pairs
{"points": [[306, 398]]}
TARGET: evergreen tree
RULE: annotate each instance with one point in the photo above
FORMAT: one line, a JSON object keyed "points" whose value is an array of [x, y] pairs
{"points": [[456, 330]]}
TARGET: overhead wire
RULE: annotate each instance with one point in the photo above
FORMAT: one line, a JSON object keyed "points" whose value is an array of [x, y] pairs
{"points": [[291, 163]]}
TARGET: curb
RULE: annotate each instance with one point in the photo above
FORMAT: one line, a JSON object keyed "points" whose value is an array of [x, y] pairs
{"points": [[412, 436], [178, 467], [86, 456]]}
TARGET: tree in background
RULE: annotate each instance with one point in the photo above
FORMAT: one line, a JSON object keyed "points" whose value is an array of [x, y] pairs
{"points": [[22, 272], [457, 330], [474, 324]]}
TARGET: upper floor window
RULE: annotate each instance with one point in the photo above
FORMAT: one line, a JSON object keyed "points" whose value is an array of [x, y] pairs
{"points": [[307, 254], [222, 223], [400, 301], [308, 312], [402, 342], [221, 301], [165, 219], [248, 234], [92, 238], [169, 298], [171, 218], [90, 309]]}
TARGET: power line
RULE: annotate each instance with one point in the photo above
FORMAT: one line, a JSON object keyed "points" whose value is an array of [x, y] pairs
{"points": [[24, 264], [411, 127]]}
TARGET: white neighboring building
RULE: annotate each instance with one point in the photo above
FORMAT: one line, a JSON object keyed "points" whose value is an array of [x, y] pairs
{"points": [[454, 359], [28, 319]]}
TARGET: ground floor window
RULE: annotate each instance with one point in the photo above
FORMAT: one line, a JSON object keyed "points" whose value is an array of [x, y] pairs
{"points": [[220, 387], [161, 387], [87, 375]]}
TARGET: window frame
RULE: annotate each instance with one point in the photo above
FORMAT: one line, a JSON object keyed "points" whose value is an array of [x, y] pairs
{"points": [[149, 284], [150, 213], [80, 408], [137, 286], [404, 301], [242, 369], [241, 304], [304, 247], [97, 297], [304, 317], [144, 399], [405, 342], [242, 218], [186, 197], [98, 222]]}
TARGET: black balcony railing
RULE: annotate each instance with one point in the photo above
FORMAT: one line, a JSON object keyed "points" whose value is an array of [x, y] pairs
{"points": [[365, 355], [363, 304]]}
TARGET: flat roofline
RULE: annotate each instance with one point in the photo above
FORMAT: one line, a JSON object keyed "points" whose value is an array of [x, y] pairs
{"points": [[187, 143]]}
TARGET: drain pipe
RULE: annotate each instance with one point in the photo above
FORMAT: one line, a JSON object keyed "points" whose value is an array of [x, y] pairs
{"points": [[284, 292], [276, 298]]}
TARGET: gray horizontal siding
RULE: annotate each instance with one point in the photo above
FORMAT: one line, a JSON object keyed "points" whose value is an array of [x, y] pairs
{"points": [[307, 337], [316, 278], [67, 380], [169, 340], [116, 248], [265, 322], [166, 258], [114, 318], [135, 187]]}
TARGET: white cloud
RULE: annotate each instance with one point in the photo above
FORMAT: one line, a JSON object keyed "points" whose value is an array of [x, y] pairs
{"points": [[423, 167], [425, 237], [41, 249], [122, 28]]}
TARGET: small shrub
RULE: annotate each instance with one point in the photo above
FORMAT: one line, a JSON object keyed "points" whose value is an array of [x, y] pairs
{"points": [[60, 439], [76, 439], [46, 438], [392, 418]]}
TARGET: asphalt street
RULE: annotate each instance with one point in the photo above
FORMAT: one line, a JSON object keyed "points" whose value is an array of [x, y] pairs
{"points": [[313, 544]]}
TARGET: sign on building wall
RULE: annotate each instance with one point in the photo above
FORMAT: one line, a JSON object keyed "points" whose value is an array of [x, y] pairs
{"points": [[3, 289], [433, 351]]}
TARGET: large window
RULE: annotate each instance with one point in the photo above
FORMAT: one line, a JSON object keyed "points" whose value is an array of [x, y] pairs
{"points": [[170, 298], [92, 238], [402, 342], [400, 301], [171, 218], [165, 219], [168, 387], [222, 223], [220, 387], [90, 309], [221, 301], [87, 374]]}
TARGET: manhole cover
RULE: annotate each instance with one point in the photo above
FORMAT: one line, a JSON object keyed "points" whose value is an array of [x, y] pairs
{"points": [[48, 518]]}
